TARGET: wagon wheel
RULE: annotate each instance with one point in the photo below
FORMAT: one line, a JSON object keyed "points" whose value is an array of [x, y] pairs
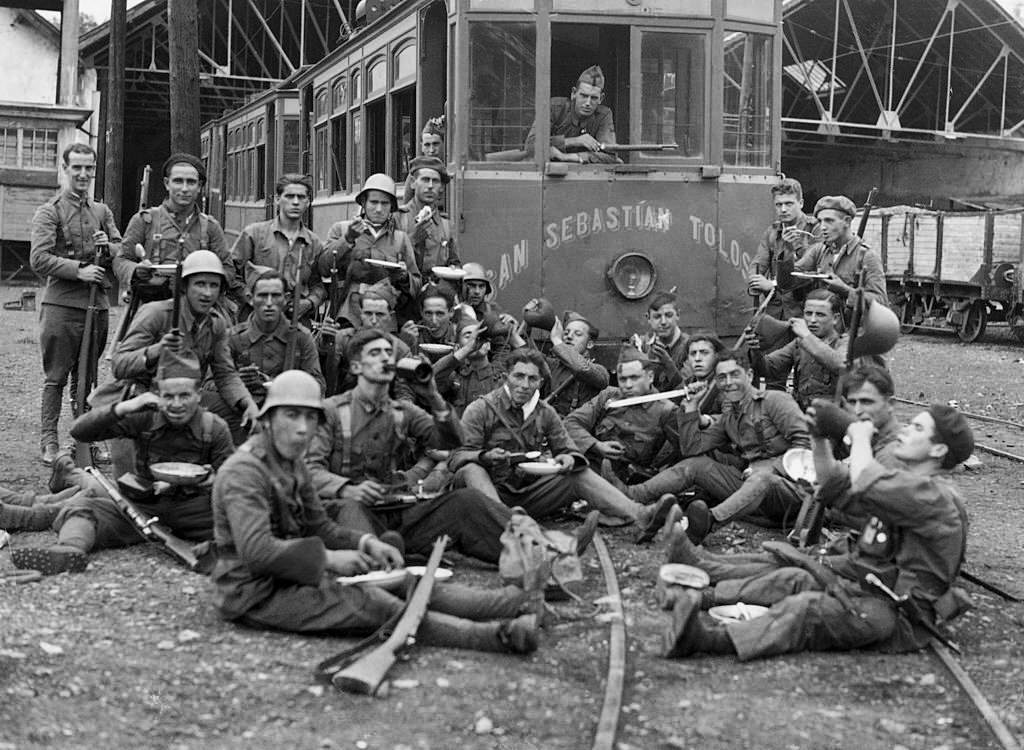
{"points": [[907, 312], [975, 319]]}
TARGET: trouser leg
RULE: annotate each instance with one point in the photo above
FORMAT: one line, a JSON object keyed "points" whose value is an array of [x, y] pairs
{"points": [[439, 629], [602, 496], [470, 518], [78, 532], [813, 621], [726, 567], [764, 493], [674, 479], [475, 477], [109, 526], [767, 588], [60, 336], [27, 518], [354, 515], [718, 480], [543, 498], [477, 604]]}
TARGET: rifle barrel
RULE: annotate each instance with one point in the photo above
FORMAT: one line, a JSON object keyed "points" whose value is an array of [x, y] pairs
{"points": [[613, 148]]}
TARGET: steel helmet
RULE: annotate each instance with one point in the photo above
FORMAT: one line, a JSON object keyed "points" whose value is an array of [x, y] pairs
{"points": [[293, 388], [476, 272], [879, 329], [380, 182], [202, 261]]}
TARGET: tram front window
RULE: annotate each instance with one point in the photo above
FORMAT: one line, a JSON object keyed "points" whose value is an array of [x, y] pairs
{"points": [[747, 100], [672, 91], [502, 61]]}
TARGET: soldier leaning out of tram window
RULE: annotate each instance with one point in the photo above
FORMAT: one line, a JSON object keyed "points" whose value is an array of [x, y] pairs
{"points": [[371, 249], [580, 124], [815, 355], [285, 244]]}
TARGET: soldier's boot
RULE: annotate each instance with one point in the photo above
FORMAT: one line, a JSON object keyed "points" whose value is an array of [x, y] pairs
{"points": [[50, 561], [687, 634], [27, 518], [699, 521], [518, 636], [678, 547], [652, 517], [63, 465], [584, 533]]}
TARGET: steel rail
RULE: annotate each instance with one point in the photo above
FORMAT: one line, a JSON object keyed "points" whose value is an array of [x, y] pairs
{"points": [[969, 415], [608, 723]]}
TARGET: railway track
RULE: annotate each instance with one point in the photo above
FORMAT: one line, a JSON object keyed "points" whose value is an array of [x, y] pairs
{"points": [[993, 435]]}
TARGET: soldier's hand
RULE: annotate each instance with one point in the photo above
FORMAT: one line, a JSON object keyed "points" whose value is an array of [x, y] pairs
{"points": [[419, 233], [584, 140], [610, 449], [99, 238], [794, 236], [799, 327], [92, 274], [354, 230], [384, 555], [863, 429], [837, 285], [760, 283], [367, 492], [495, 458], [250, 414], [694, 393], [410, 330], [143, 272], [348, 562], [305, 307], [749, 339], [565, 462], [144, 401], [251, 378], [171, 341], [557, 333]]}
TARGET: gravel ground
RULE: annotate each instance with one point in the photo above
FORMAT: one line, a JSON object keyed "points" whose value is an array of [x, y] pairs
{"points": [[130, 654]]}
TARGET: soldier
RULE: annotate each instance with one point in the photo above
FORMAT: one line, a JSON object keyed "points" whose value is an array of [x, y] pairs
{"points": [[431, 145], [513, 418], [781, 245], [826, 603], [630, 437], [843, 254], [436, 324], [502, 332], [279, 553], [815, 356], [575, 376], [421, 218], [285, 244], [168, 425], [581, 125], [467, 373], [174, 229], [667, 343], [67, 232], [359, 247], [376, 312], [259, 345]]}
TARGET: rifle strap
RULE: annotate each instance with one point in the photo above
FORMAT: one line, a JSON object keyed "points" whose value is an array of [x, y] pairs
{"points": [[517, 432], [345, 421]]}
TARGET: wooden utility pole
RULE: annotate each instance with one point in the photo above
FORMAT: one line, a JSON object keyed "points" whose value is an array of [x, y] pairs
{"points": [[183, 36], [113, 167], [68, 84]]}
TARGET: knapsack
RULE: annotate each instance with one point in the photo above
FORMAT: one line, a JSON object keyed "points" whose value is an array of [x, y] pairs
{"points": [[524, 544]]}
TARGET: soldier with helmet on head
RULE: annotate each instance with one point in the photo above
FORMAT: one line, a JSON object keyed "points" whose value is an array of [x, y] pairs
{"points": [[175, 228], [499, 327], [371, 248], [580, 124]]}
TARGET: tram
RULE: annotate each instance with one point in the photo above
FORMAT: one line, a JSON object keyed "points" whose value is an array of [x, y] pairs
{"points": [[695, 90]]}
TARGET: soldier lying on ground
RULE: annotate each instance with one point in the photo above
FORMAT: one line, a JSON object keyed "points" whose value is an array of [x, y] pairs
{"points": [[828, 603], [279, 553], [513, 418], [169, 425]]}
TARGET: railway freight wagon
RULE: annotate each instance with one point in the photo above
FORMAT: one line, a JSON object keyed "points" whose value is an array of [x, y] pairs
{"points": [[952, 270], [694, 88]]}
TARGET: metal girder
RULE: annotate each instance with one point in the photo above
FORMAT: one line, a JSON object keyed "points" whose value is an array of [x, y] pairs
{"points": [[863, 54], [1002, 53], [927, 49], [270, 35], [799, 58]]}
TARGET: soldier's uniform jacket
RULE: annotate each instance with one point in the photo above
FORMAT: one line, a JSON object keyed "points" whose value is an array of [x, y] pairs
{"points": [[265, 243], [204, 439], [362, 440], [816, 364], [390, 244], [62, 230], [760, 427], [400, 388], [251, 346], [643, 429], [462, 383], [678, 351], [845, 262], [566, 124], [586, 377], [775, 258], [206, 337], [493, 422], [270, 529], [432, 240], [924, 542], [159, 231]]}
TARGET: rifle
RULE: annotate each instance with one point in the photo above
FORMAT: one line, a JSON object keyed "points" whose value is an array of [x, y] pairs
{"points": [[133, 302], [812, 514], [621, 148], [178, 290], [88, 360], [365, 674], [907, 606], [293, 325], [148, 526]]}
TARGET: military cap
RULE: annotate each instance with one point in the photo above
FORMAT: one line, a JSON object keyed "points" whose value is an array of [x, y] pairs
{"points": [[254, 273], [630, 353], [182, 364], [951, 428], [592, 76], [430, 162], [571, 316], [381, 290], [183, 158], [839, 203]]}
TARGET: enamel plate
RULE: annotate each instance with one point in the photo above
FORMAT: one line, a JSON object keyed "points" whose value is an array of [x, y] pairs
{"points": [[179, 472], [384, 578], [441, 574], [539, 468], [384, 263], [737, 612], [450, 273], [436, 349]]}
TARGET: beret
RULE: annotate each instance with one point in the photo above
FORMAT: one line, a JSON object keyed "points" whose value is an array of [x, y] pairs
{"points": [[839, 203], [952, 429]]}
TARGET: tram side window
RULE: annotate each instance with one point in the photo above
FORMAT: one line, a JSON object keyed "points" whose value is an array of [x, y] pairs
{"points": [[502, 61], [322, 157], [672, 91], [747, 100]]}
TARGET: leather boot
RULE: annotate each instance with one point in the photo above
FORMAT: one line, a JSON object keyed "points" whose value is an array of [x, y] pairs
{"points": [[688, 634], [584, 533], [59, 558], [519, 636], [699, 521]]}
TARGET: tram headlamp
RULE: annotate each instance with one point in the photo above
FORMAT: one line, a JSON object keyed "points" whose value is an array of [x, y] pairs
{"points": [[633, 275]]}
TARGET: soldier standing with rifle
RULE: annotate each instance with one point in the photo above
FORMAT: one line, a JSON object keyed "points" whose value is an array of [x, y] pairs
{"points": [[70, 233], [279, 554]]}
